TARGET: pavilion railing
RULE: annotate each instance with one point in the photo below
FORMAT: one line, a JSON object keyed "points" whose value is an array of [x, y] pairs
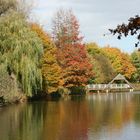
{"points": [[107, 86]]}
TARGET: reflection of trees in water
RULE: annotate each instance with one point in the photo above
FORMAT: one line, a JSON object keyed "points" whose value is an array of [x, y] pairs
{"points": [[21, 122], [72, 119], [136, 101], [66, 120], [111, 111], [76, 118]]}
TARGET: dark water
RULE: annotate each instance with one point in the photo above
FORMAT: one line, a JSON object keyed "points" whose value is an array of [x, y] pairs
{"points": [[96, 117]]}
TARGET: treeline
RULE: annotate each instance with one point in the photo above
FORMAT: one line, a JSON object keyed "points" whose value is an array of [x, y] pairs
{"points": [[36, 63]]}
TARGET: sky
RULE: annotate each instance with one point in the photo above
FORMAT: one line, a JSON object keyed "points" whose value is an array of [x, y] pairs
{"points": [[95, 18]]}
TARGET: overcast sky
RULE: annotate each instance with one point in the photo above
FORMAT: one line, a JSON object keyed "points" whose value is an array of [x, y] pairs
{"points": [[95, 17]]}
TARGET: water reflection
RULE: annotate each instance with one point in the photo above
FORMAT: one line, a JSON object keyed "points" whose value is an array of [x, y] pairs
{"points": [[21, 122], [95, 117]]}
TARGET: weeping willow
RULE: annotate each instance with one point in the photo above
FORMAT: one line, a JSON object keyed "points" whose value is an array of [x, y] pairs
{"points": [[6, 5], [8, 86], [20, 51]]}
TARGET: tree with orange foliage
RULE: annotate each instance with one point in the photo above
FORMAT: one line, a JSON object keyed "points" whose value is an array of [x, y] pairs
{"points": [[120, 61], [51, 71], [71, 55]]}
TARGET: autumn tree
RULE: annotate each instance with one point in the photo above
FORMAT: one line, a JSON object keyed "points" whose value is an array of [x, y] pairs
{"points": [[71, 55], [120, 61], [51, 71], [135, 58], [104, 71], [132, 28], [65, 29]]}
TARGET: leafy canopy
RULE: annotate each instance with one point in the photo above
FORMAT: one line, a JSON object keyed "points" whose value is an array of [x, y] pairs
{"points": [[102, 67], [71, 53], [120, 61], [51, 71], [20, 51], [135, 58]]}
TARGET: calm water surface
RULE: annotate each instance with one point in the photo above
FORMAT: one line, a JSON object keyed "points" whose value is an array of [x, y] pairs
{"points": [[95, 117]]}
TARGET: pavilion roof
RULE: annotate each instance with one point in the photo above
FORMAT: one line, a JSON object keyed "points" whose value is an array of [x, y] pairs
{"points": [[121, 78]]}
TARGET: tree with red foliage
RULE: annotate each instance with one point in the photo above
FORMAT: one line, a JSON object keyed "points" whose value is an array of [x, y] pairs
{"points": [[72, 56], [75, 64], [66, 29]]}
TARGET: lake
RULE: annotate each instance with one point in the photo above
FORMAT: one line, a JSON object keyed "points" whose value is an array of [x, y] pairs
{"points": [[113, 116]]}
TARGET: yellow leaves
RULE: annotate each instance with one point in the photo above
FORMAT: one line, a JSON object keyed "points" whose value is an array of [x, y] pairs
{"points": [[52, 74], [93, 48], [120, 61], [42, 34], [61, 82], [51, 71]]}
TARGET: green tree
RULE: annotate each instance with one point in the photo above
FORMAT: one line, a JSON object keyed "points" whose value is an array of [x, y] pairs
{"points": [[8, 87], [20, 50], [135, 58], [102, 67], [7, 5]]}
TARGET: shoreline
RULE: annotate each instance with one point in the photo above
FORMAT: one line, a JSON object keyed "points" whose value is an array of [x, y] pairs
{"points": [[50, 97]]}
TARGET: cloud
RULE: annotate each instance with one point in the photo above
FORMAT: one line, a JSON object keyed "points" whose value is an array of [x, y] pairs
{"points": [[95, 16]]}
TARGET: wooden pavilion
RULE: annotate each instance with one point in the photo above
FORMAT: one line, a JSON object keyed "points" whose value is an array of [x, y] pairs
{"points": [[118, 83]]}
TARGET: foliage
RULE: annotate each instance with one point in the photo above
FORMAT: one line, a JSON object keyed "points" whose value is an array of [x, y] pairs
{"points": [[20, 51], [71, 53], [65, 28], [77, 90], [93, 49], [75, 64], [51, 71], [120, 61], [8, 86], [135, 58], [63, 91], [7, 5], [104, 72], [66, 64], [132, 28]]}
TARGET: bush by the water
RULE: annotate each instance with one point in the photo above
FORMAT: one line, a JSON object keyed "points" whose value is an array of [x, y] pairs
{"points": [[77, 90], [8, 87]]}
